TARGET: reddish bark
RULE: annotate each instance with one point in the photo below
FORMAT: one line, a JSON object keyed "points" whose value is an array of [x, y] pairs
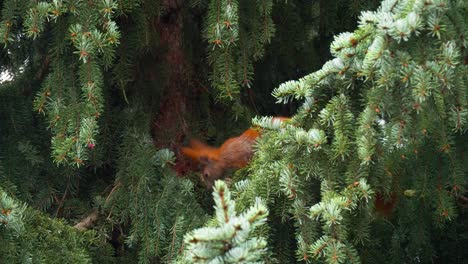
{"points": [[169, 123], [385, 206]]}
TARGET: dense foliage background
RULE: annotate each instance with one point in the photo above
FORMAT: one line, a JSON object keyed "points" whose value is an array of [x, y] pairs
{"points": [[371, 168]]}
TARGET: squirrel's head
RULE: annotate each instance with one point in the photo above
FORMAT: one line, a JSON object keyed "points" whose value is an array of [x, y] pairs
{"points": [[212, 171], [208, 158]]}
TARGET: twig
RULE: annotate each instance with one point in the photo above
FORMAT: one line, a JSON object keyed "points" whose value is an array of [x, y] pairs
{"points": [[112, 191], [63, 198], [84, 224]]}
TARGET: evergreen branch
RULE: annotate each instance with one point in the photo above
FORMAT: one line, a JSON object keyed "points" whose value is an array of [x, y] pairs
{"points": [[63, 198], [88, 221], [230, 241]]}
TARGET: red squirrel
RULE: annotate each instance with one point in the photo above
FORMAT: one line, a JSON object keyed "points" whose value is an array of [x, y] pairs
{"points": [[234, 153]]}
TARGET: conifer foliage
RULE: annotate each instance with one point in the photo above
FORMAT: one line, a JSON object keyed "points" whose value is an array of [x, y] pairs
{"points": [[371, 167], [237, 32], [230, 240], [29, 236], [384, 118], [162, 207], [73, 85]]}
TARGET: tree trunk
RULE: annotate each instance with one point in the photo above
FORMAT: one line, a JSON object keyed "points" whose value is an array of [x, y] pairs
{"points": [[169, 123]]}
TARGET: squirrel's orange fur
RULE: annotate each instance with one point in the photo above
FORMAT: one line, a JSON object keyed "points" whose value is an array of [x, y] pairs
{"points": [[234, 153]]}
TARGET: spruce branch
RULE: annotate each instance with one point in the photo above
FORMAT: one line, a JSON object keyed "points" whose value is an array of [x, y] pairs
{"points": [[230, 241], [88, 221]]}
